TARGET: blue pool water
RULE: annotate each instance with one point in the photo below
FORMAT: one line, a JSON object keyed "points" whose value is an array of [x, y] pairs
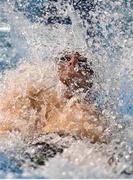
{"points": [[107, 28]]}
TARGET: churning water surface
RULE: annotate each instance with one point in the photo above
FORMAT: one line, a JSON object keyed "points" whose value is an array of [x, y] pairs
{"points": [[38, 31]]}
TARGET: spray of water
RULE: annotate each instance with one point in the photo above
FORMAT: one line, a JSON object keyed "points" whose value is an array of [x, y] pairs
{"points": [[37, 46]]}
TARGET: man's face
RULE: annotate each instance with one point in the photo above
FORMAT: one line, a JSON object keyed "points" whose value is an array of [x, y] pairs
{"points": [[74, 71]]}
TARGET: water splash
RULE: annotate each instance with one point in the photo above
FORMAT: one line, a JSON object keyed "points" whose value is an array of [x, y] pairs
{"points": [[110, 47]]}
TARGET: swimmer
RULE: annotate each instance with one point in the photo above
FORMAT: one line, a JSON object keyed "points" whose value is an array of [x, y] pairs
{"points": [[42, 110]]}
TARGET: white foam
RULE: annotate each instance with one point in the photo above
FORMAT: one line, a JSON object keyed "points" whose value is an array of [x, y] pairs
{"points": [[113, 65], [5, 28]]}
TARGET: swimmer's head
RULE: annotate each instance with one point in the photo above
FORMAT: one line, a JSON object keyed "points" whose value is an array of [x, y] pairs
{"points": [[75, 72]]}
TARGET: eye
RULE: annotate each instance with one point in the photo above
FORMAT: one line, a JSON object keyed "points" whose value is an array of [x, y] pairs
{"points": [[62, 59]]}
